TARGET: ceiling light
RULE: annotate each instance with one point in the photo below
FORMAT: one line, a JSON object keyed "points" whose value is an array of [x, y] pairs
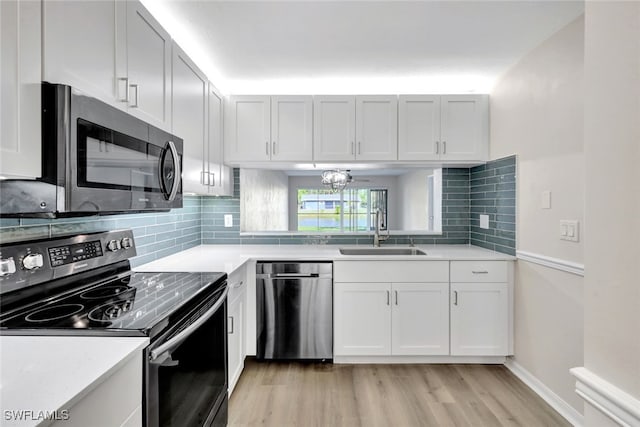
{"points": [[336, 179]]}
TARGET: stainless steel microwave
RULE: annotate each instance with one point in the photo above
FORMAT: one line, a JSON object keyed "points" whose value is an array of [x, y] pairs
{"points": [[96, 160]]}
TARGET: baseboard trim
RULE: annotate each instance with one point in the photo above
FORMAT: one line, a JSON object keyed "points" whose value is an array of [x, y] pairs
{"points": [[615, 403], [487, 360], [555, 401], [555, 263]]}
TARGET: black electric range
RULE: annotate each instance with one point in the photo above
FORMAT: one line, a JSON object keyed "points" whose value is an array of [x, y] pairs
{"points": [[83, 285]]}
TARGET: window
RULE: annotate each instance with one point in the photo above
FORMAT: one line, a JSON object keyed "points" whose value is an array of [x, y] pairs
{"points": [[350, 210]]}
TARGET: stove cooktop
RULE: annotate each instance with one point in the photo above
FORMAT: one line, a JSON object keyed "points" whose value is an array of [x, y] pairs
{"points": [[137, 304]]}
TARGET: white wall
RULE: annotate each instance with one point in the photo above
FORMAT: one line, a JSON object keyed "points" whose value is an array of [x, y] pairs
{"points": [[263, 200], [612, 208], [414, 198], [537, 113]]}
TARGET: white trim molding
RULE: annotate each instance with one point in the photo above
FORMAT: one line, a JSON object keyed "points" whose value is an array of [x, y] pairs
{"points": [[615, 403], [555, 401], [555, 263]]}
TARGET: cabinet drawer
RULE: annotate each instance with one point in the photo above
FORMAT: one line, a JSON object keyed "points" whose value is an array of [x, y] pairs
{"points": [[390, 271], [479, 271]]}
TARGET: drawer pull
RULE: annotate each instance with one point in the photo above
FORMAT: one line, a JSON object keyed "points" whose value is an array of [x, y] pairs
{"points": [[480, 272], [455, 297]]}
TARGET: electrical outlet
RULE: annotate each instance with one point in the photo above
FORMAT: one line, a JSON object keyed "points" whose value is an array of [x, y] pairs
{"points": [[484, 221], [545, 200], [228, 220]]}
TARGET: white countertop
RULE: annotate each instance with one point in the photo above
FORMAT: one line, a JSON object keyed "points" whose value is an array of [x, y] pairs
{"points": [[47, 373], [227, 258]]}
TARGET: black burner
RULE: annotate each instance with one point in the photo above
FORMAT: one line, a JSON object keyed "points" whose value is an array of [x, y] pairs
{"points": [[55, 312], [108, 312], [105, 292]]}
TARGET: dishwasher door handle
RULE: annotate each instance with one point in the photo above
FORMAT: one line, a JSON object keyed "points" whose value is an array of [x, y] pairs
{"points": [[293, 275]]}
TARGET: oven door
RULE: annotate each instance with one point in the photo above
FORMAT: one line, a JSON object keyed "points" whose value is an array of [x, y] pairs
{"points": [[186, 369], [118, 162]]}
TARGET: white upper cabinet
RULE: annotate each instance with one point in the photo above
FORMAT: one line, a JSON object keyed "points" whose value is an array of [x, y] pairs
{"points": [[264, 128], [20, 71], [248, 128], [445, 128], [148, 66], [221, 181], [376, 128], [418, 127], [355, 128], [125, 60], [291, 128], [90, 61], [464, 131], [334, 128], [190, 102]]}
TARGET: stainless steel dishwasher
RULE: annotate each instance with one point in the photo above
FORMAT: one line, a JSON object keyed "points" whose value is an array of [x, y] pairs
{"points": [[294, 310]]}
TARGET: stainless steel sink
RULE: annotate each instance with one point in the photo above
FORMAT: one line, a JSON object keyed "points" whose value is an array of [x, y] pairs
{"points": [[381, 251]]}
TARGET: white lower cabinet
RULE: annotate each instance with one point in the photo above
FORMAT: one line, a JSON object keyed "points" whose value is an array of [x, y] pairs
{"points": [[384, 319], [391, 308], [114, 402], [423, 308], [362, 319], [479, 319], [236, 326], [420, 319]]}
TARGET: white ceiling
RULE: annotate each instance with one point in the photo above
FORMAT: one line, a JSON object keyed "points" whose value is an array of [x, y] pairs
{"points": [[324, 47]]}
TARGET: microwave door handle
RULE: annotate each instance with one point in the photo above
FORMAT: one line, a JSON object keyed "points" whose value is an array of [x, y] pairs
{"points": [[175, 341], [177, 171]]}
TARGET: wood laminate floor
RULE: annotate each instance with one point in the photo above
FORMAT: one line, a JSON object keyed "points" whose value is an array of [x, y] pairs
{"points": [[298, 394]]}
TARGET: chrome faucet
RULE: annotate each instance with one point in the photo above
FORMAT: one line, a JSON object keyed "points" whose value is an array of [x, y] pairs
{"points": [[377, 238]]}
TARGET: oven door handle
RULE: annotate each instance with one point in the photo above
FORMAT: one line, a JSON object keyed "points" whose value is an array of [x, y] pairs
{"points": [[173, 342]]}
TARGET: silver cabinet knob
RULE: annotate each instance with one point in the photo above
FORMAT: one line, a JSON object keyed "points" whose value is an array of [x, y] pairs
{"points": [[32, 261]]}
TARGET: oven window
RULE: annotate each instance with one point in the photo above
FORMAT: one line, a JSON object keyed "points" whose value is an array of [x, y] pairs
{"points": [[109, 159], [191, 386]]}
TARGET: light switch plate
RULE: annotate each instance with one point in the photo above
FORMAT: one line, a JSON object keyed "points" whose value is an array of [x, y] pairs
{"points": [[484, 221], [545, 200], [228, 220], [570, 230]]}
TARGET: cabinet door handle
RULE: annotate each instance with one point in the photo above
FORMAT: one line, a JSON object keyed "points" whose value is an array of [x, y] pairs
{"points": [[126, 89], [134, 86], [232, 325], [202, 175], [396, 292], [266, 148], [352, 148], [359, 147], [480, 272], [388, 298], [437, 147], [273, 151], [444, 147], [455, 297], [212, 179]]}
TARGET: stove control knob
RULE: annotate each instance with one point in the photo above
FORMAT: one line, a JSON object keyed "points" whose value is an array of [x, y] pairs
{"points": [[126, 243], [7, 267], [113, 245], [32, 261]]}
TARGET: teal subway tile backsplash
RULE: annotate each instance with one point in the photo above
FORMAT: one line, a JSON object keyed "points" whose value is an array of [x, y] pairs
{"points": [[493, 193], [156, 235], [466, 193]]}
